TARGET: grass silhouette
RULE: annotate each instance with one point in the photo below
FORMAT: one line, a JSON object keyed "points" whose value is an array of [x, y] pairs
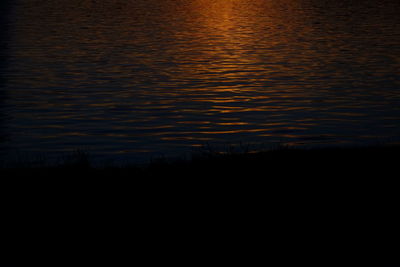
{"points": [[379, 160]]}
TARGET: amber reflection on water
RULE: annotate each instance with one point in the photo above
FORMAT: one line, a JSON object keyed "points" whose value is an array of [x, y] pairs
{"points": [[139, 76]]}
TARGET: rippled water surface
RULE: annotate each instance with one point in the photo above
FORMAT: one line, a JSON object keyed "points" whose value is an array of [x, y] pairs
{"points": [[136, 78]]}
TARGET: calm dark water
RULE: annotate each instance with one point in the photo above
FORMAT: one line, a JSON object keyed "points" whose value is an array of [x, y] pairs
{"points": [[135, 78]]}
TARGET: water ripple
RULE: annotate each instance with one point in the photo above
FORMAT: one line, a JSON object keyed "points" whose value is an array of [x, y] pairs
{"points": [[144, 76]]}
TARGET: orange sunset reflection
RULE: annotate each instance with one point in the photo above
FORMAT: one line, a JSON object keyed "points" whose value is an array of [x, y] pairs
{"points": [[143, 72], [225, 32]]}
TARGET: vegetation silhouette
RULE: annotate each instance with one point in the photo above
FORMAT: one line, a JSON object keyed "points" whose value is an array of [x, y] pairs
{"points": [[282, 161], [286, 197]]}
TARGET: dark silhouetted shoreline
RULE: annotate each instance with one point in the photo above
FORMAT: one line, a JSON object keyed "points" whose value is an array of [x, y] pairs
{"points": [[374, 161], [329, 197]]}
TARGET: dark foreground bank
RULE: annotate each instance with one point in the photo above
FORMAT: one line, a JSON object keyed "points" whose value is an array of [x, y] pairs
{"points": [[313, 207], [291, 163]]}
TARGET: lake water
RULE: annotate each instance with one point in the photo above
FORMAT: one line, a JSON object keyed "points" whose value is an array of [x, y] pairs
{"points": [[139, 78]]}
